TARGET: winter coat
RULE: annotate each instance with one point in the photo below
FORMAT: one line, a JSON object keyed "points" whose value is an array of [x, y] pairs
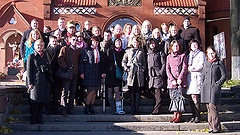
{"points": [[194, 77], [136, 66], [92, 71], [110, 68], [156, 68], [38, 72], [214, 75], [176, 68], [69, 57], [52, 55], [189, 34]]}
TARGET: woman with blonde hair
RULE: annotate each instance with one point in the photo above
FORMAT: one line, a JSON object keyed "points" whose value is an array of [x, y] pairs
{"points": [[173, 35], [146, 29], [136, 32], [29, 44], [156, 35], [127, 29]]}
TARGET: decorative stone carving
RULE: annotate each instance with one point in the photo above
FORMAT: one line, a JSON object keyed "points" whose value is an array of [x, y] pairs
{"points": [[124, 3]]}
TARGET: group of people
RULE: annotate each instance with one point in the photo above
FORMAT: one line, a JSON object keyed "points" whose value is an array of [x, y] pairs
{"points": [[159, 58]]}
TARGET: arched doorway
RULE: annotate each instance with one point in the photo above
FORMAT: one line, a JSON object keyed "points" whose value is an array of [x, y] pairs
{"points": [[9, 46], [122, 22], [121, 19]]}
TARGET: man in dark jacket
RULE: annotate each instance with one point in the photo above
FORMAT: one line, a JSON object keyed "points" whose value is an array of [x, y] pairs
{"points": [[68, 59], [188, 32], [52, 51], [61, 27]]}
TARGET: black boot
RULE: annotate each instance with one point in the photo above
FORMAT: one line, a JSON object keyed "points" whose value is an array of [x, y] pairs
{"points": [[92, 109], [192, 105], [137, 102], [87, 110], [197, 111], [132, 102]]}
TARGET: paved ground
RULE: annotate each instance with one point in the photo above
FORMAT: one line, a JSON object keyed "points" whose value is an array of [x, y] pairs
{"points": [[125, 133]]}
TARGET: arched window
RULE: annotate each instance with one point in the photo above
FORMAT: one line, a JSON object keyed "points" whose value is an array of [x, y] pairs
{"points": [[122, 22]]}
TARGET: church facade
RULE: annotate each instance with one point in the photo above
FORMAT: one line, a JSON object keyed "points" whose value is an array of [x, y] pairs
{"points": [[15, 16]]}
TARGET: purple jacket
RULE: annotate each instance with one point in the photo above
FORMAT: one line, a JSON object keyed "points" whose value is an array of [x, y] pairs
{"points": [[176, 68]]}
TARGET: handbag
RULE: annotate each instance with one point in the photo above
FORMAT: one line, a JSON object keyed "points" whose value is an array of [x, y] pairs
{"points": [[66, 75], [119, 71], [177, 103], [63, 74]]}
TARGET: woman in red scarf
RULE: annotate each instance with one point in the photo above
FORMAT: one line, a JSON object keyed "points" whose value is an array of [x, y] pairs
{"points": [[214, 75]]}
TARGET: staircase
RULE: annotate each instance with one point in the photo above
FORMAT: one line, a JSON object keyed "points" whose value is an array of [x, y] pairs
{"points": [[18, 117]]}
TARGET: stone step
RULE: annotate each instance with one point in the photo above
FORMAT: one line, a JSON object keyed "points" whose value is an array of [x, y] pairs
{"points": [[79, 117], [143, 109], [117, 126]]}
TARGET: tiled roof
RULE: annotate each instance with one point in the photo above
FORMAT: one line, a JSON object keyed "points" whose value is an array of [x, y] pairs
{"points": [[175, 3], [214, 5], [75, 3]]}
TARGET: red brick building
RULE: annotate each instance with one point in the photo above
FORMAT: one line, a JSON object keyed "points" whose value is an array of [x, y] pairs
{"points": [[15, 16]]}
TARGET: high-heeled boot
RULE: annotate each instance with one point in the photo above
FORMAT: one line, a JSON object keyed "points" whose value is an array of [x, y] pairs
{"points": [[87, 110], [178, 118], [92, 109], [174, 117], [192, 106], [197, 111]]}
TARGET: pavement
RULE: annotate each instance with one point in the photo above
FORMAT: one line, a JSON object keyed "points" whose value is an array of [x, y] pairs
{"points": [[125, 133]]}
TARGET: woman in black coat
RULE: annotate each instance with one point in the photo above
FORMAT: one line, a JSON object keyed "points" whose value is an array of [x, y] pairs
{"points": [[113, 84], [157, 72], [214, 75], [38, 73], [91, 72]]}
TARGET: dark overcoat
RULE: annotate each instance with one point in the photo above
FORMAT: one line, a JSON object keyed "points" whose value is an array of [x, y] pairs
{"points": [[37, 75], [92, 71], [214, 75], [52, 55], [156, 68], [110, 68]]}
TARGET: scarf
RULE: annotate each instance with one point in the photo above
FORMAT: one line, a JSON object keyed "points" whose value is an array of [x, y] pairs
{"points": [[212, 60], [96, 54], [118, 49], [192, 55]]}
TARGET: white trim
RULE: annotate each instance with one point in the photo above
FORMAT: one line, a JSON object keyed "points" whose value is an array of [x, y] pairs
{"points": [[218, 19]]}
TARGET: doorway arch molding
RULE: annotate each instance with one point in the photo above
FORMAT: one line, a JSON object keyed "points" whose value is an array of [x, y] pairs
{"points": [[119, 15]]}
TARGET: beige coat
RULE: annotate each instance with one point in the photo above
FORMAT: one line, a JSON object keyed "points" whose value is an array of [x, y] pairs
{"points": [[136, 65]]}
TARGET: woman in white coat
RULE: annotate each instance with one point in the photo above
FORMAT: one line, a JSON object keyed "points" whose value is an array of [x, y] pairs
{"points": [[196, 61]]}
